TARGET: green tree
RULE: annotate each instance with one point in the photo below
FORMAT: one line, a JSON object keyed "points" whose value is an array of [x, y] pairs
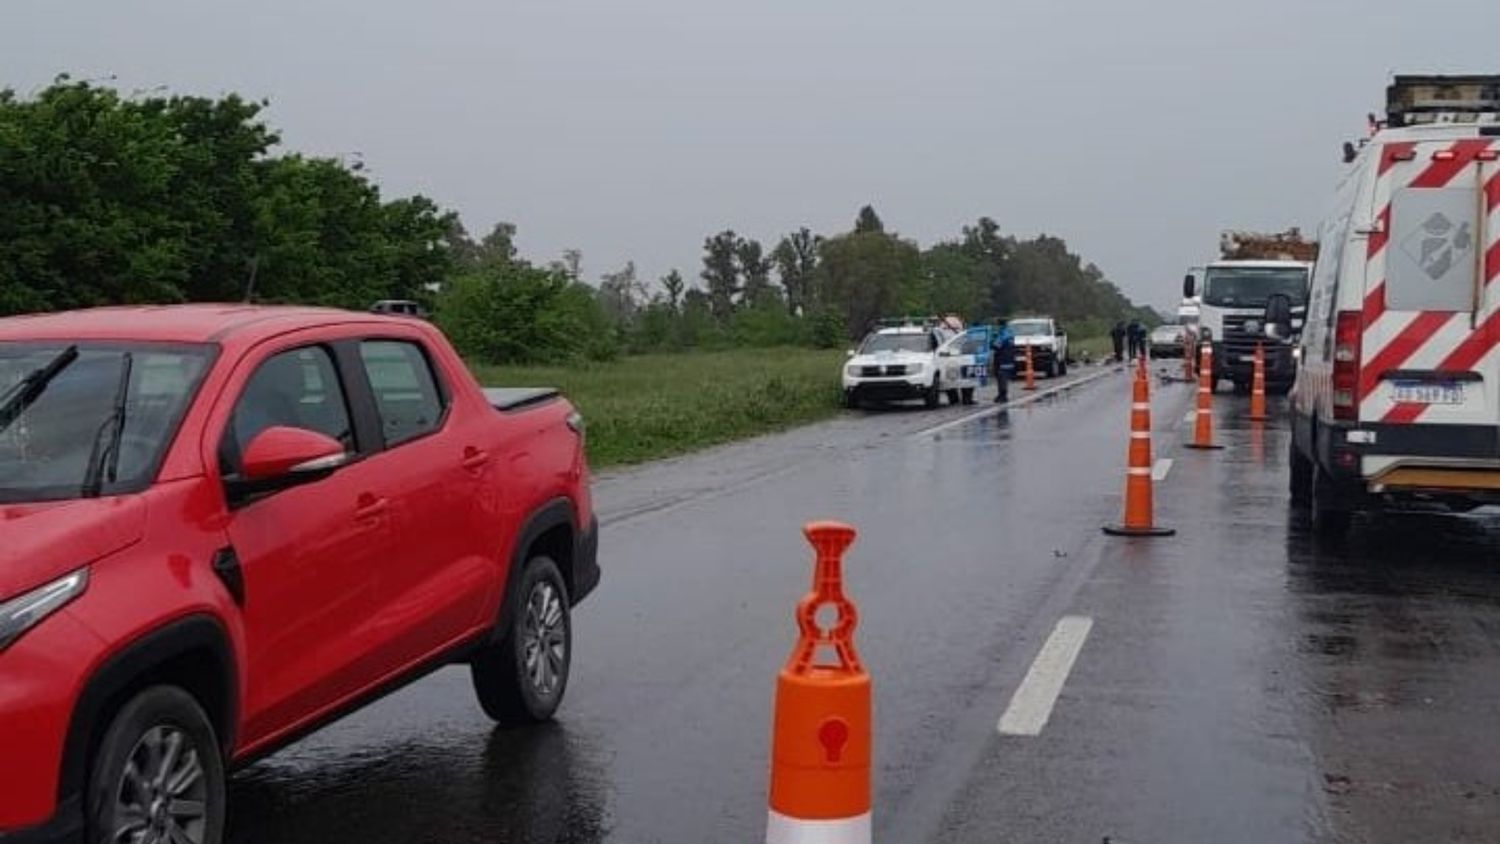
{"points": [[755, 269], [865, 275], [673, 284], [796, 260], [868, 221], [721, 273]]}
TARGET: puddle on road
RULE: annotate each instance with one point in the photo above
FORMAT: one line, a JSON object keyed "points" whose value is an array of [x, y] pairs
{"points": [[538, 784]]}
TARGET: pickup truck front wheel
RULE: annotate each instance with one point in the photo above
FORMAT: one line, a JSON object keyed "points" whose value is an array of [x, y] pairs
{"points": [[522, 677], [158, 775]]}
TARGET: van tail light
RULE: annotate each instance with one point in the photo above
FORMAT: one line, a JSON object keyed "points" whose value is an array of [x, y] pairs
{"points": [[1346, 350]]}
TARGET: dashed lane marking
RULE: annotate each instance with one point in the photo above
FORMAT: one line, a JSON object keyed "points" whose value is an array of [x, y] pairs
{"points": [[1031, 705], [1160, 469], [1021, 402]]}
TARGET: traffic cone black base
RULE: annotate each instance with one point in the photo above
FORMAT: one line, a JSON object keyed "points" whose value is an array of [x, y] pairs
{"points": [[1203, 447], [1121, 530]]}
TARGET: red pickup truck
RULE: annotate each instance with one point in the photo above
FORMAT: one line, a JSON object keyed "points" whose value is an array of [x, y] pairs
{"points": [[224, 526]]}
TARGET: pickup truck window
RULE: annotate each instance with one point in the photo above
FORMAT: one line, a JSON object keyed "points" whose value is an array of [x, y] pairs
{"points": [[94, 410], [1031, 328], [406, 390], [299, 388]]}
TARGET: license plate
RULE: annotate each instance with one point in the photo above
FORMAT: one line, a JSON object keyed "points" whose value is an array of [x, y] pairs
{"points": [[1247, 358], [1429, 392]]}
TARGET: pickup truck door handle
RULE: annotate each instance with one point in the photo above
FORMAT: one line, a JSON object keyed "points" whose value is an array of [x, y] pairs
{"points": [[369, 507], [475, 459]]}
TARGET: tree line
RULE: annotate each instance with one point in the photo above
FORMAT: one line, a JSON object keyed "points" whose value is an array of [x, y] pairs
{"points": [[111, 199]]}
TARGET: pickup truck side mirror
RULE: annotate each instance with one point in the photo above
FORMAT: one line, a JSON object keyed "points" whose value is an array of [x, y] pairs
{"points": [[282, 457], [848, 353], [1188, 283], [1278, 317]]}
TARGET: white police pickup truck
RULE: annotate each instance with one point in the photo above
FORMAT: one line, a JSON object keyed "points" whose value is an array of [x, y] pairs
{"points": [[897, 364], [1048, 344]]}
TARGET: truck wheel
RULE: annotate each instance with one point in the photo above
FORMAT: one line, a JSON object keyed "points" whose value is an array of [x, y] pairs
{"points": [[1330, 521], [968, 395], [1301, 475], [953, 397], [1062, 367], [522, 677], [933, 395], [1052, 369], [851, 399], [158, 774]]}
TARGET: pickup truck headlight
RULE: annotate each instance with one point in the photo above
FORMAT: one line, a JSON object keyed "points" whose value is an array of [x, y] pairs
{"points": [[915, 368], [24, 612]]}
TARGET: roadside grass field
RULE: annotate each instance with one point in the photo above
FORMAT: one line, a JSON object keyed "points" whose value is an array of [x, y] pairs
{"points": [[646, 407]]}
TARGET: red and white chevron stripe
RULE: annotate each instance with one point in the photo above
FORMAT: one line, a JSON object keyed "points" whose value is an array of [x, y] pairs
{"points": [[1431, 340]]}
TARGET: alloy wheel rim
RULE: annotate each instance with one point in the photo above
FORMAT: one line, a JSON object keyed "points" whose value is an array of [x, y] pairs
{"points": [[162, 795], [545, 639]]}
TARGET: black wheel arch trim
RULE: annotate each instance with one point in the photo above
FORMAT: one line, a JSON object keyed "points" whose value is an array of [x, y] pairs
{"points": [[105, 689], [581, 572]]}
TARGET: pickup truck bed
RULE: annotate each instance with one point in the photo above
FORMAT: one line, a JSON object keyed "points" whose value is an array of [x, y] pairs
{"points": [[509, 399]]}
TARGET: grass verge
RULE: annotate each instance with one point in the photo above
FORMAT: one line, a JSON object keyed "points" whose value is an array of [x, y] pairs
{"points": [[652, 406]]}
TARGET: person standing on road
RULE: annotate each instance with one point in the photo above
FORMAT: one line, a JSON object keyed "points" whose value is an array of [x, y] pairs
{"points": [[1003, 356], [1133, 335], [1117, 337]]}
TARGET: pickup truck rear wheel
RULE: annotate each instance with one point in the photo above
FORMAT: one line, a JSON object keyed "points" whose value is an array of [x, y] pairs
{"points": [[158, 775], [522, 677]]}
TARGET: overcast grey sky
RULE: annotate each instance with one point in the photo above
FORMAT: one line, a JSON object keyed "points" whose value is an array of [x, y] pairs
{"points": [[631, 130]]}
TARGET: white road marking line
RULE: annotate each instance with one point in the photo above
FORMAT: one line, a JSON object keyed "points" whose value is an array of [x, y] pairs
{"points": [[991, 411], [1031, 705], [1160, 470]]}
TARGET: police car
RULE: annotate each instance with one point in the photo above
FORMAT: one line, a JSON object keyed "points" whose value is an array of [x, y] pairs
{"points": [[905, 361]]}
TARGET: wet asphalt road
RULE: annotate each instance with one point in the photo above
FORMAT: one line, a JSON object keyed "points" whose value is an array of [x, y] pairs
{"points": [[1240, 682]]}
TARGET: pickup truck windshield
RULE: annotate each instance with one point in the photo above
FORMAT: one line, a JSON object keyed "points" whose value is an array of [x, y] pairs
{"points": [[47, 449], [896, 343], [1032, 328], [1250, 287]]}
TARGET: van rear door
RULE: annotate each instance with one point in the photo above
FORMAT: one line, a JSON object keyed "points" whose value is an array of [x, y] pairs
{"points": [[1432, 306]]}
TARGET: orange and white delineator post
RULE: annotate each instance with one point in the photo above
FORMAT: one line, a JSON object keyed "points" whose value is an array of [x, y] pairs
{"points": [[1258, 386], [1139, 519], [1030, 370], [821, 730], [1187, 357], [1203, 429]]}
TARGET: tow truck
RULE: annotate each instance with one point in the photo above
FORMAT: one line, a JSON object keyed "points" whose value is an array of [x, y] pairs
{"points": [[1231, 294]]}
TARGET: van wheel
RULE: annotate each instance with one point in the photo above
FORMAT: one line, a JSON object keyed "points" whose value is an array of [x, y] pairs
{"points": [[158, 774], [1330, 521], [1301, 475], [522, 677]]}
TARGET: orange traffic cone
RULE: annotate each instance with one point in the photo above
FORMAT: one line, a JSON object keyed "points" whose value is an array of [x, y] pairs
{"points": [[1030, 371], [1203, 430], [1258, 387], [1138, 493], [820, 741]]}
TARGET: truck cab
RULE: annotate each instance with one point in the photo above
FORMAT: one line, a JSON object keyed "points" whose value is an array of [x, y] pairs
{"points": [[1231, 297], [1398, 398]]}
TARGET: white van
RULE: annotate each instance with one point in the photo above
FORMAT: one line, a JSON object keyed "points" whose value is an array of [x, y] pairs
{"points": [[1398, 396]]}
